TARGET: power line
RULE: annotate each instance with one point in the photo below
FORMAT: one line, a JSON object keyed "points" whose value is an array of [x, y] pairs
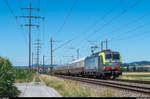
{"points": [[12, 12], [66, 18], [10, 8], [101, 18], [113, 19], [62, 45], [129, 31], [91, 26], [125, 25], [133, 37]]}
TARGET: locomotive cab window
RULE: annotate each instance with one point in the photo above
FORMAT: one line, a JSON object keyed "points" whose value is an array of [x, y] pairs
{"points": [[116, 56], [108, 56]]}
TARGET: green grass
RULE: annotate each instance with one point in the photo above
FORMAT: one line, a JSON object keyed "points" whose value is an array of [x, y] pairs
{"points": [[135, 75], [69, 88], [109, 93], [37, 79], [66, 88]]}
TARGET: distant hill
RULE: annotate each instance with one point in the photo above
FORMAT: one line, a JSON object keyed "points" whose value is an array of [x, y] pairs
{"points": [[139, 63]]}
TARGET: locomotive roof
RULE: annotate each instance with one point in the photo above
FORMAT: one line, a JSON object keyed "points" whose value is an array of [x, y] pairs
{"points": [[105, 51], [78, 60]]}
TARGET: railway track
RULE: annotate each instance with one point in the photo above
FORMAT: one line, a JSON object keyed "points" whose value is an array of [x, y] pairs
{"points": [[136, 86], [134, 81]]}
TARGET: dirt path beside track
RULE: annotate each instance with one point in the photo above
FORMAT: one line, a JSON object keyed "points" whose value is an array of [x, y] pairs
{"points": [[36, 89]]}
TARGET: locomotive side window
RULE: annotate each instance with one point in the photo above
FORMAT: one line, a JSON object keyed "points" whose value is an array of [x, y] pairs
{"points": [[116, 56]]}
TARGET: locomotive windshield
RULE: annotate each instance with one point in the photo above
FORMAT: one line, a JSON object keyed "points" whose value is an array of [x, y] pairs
{"points": [[108, 56], [116, 56], [112, 56]]}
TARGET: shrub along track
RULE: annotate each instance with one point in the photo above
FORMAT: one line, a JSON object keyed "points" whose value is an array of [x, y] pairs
{"points": [[136, 86]]}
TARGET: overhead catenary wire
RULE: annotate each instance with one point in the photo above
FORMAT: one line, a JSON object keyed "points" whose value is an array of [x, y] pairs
{"points": [[93, 25], [66, 18], [105, 24], [100, 18], [130, 31], [62, 45], [137, 35], [125, 25], [113, 19]]}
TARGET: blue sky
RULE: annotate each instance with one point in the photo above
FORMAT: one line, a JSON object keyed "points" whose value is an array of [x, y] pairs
{"points": [[131, 38]]}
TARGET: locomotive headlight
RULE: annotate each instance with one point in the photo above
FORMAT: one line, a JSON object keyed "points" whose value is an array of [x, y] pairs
{"points": [[104, 67], [110, 63]]}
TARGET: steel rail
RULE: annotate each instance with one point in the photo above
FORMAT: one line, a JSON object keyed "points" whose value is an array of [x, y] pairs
{"points": [[110, 83], [133, 81]]}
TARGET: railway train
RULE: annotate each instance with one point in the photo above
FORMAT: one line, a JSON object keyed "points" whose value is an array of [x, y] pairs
{"points": [[105, 64]]}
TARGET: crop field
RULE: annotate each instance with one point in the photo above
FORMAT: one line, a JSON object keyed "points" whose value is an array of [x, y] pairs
{"points": [[145, 76]]}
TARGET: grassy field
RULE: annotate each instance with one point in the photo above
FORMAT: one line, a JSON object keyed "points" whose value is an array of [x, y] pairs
{"points": [[136, 73], [145, 76], [69, 88]]}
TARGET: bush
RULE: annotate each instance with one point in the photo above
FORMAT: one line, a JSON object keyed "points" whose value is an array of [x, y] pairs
{"points": [[23, 75], [7, 79]]}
